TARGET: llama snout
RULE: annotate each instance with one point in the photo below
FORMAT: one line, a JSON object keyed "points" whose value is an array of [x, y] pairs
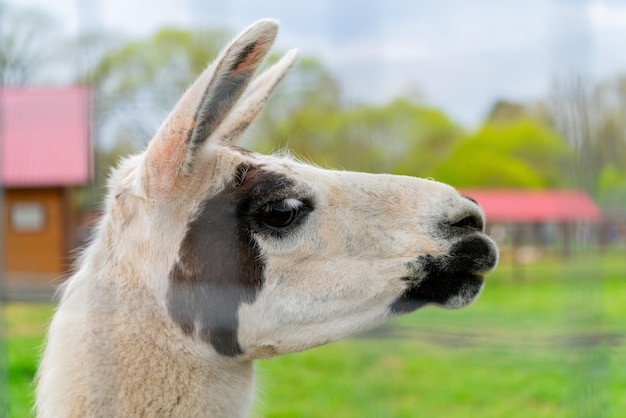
{"points": [[450, 280]]}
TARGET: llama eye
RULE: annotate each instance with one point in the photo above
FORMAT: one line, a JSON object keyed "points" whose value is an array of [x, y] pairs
{"points": [[280, 214]]}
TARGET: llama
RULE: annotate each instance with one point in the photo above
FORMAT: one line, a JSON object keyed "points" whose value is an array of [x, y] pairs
{"points": [[209, 256]]}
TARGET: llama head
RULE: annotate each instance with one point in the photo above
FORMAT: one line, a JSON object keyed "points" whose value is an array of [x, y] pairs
{"points": [[255, 255]]}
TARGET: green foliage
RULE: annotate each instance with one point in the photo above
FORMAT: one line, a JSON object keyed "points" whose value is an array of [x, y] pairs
{"points": [[173, 56], [400, 137], [140, 81], [137, 83], [612, 186], [309, 85], [611, 179], [403, 137], [421, 137], [521, 153]]}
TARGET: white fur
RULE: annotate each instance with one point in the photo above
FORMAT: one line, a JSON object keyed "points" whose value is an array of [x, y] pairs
{"points": [[113, 349]]}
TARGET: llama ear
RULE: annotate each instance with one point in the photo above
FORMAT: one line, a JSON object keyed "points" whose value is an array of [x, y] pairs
{"points": [[255, 98], [205, 106]]}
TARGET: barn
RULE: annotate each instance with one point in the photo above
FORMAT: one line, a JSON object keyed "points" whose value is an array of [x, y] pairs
{"points": [[45, 154]]}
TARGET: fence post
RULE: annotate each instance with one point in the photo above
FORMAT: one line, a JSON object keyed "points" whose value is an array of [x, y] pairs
{"points": [[4, 360]]}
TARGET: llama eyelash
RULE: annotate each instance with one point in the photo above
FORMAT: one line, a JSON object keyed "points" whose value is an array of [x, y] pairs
{"points": [[291, 203]]}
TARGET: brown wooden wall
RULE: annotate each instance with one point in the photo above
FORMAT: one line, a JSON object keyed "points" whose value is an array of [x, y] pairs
{"points": [[44, 251]]}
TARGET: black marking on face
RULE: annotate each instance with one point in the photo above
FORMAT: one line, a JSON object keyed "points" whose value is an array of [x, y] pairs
{"points": [[439, 279], [220, 265]]}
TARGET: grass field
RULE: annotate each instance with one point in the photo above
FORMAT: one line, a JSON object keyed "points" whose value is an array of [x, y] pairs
{"points": [[552, 344]]}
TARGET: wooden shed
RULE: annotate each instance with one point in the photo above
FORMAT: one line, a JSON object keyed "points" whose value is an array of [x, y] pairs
{"points": [[45, 154]]}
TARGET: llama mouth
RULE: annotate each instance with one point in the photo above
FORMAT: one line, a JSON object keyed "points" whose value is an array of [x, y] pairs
{"points": [[445, 290], [453, 280]]}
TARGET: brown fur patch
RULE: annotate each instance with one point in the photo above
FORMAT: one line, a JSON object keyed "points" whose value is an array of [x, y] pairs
{"points": [[219, 264]]}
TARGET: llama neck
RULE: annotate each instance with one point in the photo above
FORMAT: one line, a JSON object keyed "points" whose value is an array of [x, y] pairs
{"points": [[115, 353]]}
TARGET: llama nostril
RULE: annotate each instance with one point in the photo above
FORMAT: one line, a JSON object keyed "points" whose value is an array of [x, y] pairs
{"points": [[472, 221]]}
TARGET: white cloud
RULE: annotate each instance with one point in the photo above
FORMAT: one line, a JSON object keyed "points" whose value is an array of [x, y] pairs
{"points": [[609, 29], [605, 16], [142, 17]]}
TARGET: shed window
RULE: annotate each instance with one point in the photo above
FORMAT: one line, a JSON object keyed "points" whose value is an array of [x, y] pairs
{"points": [[28, 216]]}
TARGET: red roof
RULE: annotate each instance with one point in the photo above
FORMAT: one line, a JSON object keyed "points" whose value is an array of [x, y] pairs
{"points": [[44, 137], [535, 205]]}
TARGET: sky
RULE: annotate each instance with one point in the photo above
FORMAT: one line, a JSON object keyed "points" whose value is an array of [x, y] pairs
{"points": [[458, 55]]}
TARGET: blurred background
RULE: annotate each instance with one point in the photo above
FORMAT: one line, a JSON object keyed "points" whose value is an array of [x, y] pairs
{"points": [[521, 105]]}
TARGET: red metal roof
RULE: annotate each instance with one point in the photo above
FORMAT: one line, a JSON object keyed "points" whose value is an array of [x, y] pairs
{"points": [[44, 137], [535, 205]]}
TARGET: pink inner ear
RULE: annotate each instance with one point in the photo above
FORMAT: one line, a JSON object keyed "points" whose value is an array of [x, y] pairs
{"points": [[164, 158], [203, 108], [168, 150], [252, 59]]}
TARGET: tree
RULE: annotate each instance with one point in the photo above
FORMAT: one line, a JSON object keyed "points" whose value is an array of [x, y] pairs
{"points": [[425, 137], [400, 137], [137, 83], [309, 88], [521, 153], [592, 119], [25, 39]]}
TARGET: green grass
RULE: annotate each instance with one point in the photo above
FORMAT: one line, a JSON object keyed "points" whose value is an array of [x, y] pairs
{"points": [[551, 344], [25, 328]]}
